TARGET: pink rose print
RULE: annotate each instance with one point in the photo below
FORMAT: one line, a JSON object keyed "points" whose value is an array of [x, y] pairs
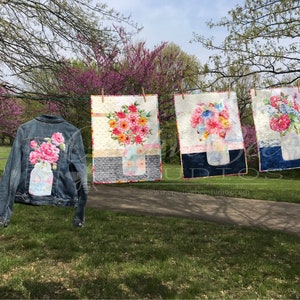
{"points": [[116, 131], [132, 108], [144, 131], [284, 113], [33, 144], [276, 101], [196, 116], [121, 115], [48, 151], [34, 157], [280, 123], [129, 125], [133, 119], [138, 139], [211, 119], [57, 138]]}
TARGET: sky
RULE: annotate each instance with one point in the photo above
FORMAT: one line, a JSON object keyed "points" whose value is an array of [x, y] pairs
{"points": [[176, 20]]}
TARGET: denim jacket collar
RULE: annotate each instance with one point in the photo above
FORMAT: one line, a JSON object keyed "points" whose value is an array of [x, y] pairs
{"points": [[50, 119]]}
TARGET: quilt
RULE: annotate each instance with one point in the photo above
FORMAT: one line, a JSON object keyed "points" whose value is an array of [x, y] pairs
{"points": [[210, 135], [125, 134], [276, 114]]}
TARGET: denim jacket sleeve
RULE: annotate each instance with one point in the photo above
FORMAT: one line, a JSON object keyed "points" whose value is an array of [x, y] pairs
{"points": [[10, 180], [79, 171]]}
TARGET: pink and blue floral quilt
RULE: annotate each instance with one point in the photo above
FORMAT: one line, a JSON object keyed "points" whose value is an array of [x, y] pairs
{"points": [[276, 114], [210, 135]]}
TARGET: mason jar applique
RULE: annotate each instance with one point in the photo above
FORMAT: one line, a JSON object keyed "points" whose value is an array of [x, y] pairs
{"points": [[134, 161], [44, 158], [41, 179]]}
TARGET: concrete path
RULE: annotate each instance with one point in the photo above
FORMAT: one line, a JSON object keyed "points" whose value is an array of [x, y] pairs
{"points": [[239, 211]]}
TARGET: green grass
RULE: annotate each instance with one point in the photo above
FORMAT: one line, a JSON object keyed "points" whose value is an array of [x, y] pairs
{"points": [[132, 256], [4, 153], [123, 256], [274, 186]]}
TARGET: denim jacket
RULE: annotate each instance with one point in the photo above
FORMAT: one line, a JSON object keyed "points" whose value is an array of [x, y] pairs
{"points": [[46, 166]]}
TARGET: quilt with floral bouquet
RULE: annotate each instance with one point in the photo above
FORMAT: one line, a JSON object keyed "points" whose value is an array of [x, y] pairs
{"points": [[125, 135], [276, 114], [210, 135]]}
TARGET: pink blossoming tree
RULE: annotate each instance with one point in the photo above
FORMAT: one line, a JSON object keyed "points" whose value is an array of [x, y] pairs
{"points": [[128, 70], [249, 135], [11, 112]]}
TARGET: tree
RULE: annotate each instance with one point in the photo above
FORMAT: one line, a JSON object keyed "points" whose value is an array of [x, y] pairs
{"points": [[176, 72], [128, 70], [124, 70], [250, 141], [11, 111], [262, 43], [36, 35]]}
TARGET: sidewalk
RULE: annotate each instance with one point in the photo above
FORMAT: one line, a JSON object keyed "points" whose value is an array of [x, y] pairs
{"points": [[239, 211]]}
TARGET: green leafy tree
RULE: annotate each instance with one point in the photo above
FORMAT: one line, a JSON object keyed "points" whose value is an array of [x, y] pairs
{"points": [[261, 48], [262, 43], [176, 72]]}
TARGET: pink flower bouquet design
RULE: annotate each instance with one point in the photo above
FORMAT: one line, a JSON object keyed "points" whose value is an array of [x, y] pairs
{"points": [[284, 113], [129, 126], [211, 119], [48, 151]]}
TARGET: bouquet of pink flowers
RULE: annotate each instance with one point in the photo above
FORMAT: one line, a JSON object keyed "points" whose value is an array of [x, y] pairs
{"points": [[211, 119], [129, 125], [48, 151], [284, 113]]}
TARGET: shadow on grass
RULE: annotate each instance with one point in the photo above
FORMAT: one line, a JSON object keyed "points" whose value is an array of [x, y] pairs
{"points": [[38, 290], [134, 286], [124, 256]]}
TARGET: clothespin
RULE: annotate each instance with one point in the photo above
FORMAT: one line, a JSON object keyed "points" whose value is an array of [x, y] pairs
{"points": [[229, 91], [143, 92], [298, 84], [254, 85], [102, 95], [181, 90]]}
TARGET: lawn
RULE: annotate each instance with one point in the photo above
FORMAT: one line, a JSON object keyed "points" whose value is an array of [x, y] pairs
{"points": [[134, 256], [274, 186], [4, 153], [124, 256]]}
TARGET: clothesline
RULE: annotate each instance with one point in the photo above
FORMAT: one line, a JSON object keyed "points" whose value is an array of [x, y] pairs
{"points": [[44, 97], [87, 98]]}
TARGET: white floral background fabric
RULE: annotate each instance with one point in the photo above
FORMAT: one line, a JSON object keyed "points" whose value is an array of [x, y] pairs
{"points": [[125, 133]]}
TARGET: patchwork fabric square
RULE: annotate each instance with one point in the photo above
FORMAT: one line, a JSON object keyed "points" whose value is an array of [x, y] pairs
{"points": [[276, 114], [125, 133], [210, 135]]}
